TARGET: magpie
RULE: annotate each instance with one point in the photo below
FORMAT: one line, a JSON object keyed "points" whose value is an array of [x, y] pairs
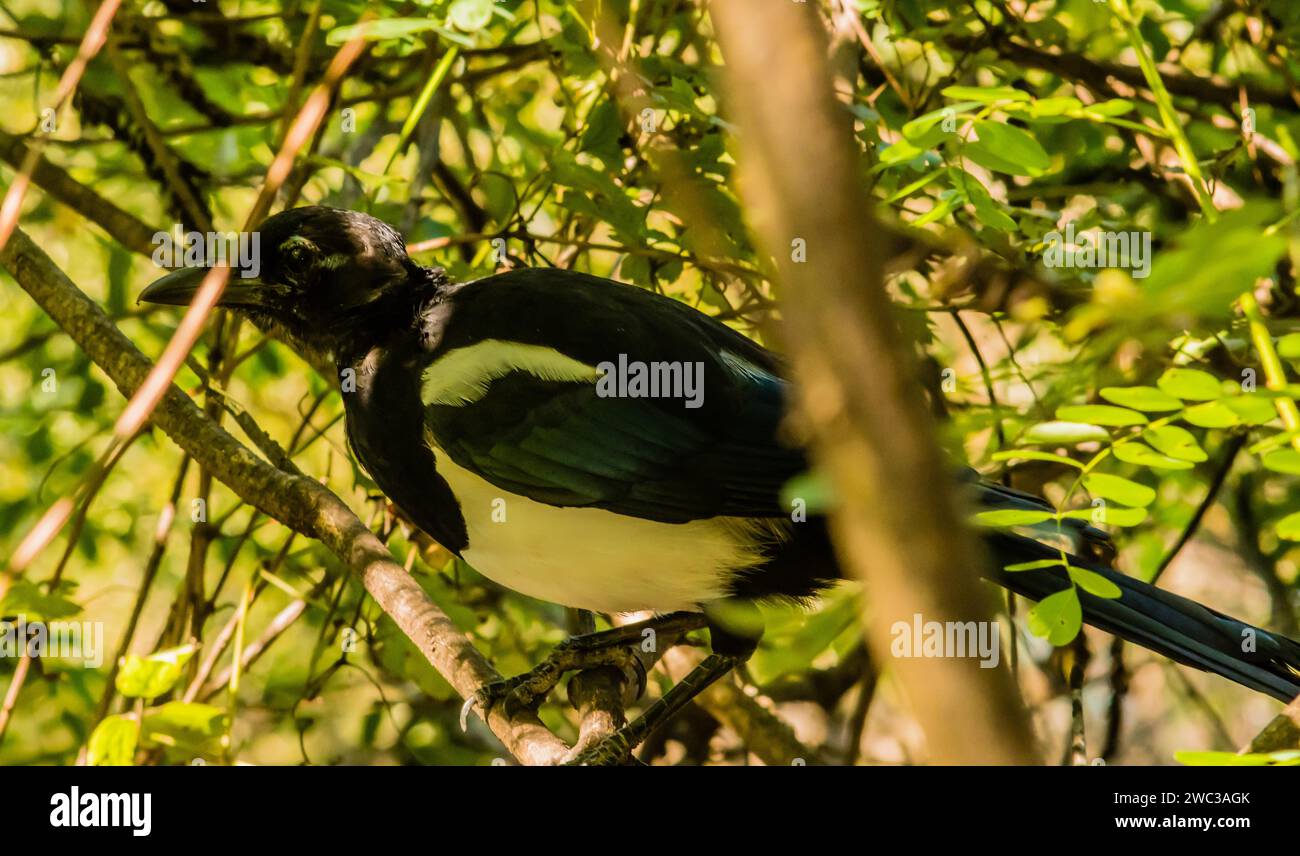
{"points": [[600, 446]]}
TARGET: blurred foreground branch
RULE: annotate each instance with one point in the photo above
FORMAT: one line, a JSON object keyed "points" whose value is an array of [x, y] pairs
{"points": [[1282, 733], [897, 528]]}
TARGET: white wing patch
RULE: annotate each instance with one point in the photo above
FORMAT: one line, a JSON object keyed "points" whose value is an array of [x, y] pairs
{"points": [[463, 375]]}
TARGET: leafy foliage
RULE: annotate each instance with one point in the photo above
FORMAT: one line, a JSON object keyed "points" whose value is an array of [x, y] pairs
{"points": [[595, 136]]}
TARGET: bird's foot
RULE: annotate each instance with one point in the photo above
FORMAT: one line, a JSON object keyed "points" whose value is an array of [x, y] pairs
{"points": [[612, 751], [526, 691], [616, 749]]}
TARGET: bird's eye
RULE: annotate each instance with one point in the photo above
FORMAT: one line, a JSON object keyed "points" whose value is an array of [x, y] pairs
{"points": [[297, 256]]}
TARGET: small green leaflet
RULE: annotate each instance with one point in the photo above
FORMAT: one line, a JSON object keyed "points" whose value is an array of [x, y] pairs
{"points": [[150, 677], [1283, 461], [1094, 583], [1288, 528], [1064, 433], [1035, 455], [113, 742], [1108, 515], [1057, 617], [1119, 489], [1144, 456], [1175, 442], [1211, 414], [1012, 517], [1190, 384], [1008, 149], [985, 95], [1036, 565], [1148, 399], [1101, 414]]}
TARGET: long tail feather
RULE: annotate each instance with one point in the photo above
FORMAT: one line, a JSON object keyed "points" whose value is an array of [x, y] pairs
{"points": [[1180, 629]]}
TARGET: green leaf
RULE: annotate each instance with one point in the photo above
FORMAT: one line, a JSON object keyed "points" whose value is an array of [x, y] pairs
{"points": [[1283, 461], [1057, 617], [1048, 107], [113, 742], [1284, 758], [1288, 347], [1101, 414], [470, 15], [1145, 398], [150, 677], [1006, 148], [1190, 384], [1113, 107], [1035, 565], [29, 599], [383, 28], [1211, 414], [1094, 583], [1175, 442], [924, 131], [1144, 456], [1064, 433], [814, 488], [1011, 517], [1108, 515], [1252, 409], [986, 210], [1288, 528], [195, 728], [1035, 455], [985, 94], [1119, 489], [1210, 264]]}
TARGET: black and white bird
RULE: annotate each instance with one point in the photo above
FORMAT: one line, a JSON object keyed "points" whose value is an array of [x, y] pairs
{"points": [[603, 447]]}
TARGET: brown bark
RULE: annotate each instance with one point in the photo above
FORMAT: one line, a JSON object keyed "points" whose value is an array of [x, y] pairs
{"points": [[897, 526], [1282, 733]]}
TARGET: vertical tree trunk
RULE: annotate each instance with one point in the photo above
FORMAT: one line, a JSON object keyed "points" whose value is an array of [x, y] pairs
{"points": [[897, 526]]}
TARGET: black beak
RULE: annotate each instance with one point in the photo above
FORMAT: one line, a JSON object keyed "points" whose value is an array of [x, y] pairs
{"points": [[179, 287]]}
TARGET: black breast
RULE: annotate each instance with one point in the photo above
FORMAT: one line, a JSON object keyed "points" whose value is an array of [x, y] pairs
{"points": [[385, 426]]}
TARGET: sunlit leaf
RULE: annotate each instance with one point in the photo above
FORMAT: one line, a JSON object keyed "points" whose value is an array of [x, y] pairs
{"points": [[1288, 527], [1036, 565], [151, 676], [1064, 433], [1057, 617], [1119, 489], [113, 742], [985, 94], [1012, 517], [1190, 384], [1175, 442], [1211, 414], [1145, 456], [1101, 414], [1094, 583], [1148, 399], [1283, 461], [1006, 148], [1035, 455], [1109, 515]]}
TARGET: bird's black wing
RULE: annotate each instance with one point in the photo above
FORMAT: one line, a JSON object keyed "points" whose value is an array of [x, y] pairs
{"points": [[563, 443]]}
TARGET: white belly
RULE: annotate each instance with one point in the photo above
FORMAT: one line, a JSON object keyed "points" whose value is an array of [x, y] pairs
{"points": [[597, 560]]}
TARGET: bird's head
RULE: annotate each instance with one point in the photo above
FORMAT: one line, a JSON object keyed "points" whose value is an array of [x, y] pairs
{"points": [[319, 277]]}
